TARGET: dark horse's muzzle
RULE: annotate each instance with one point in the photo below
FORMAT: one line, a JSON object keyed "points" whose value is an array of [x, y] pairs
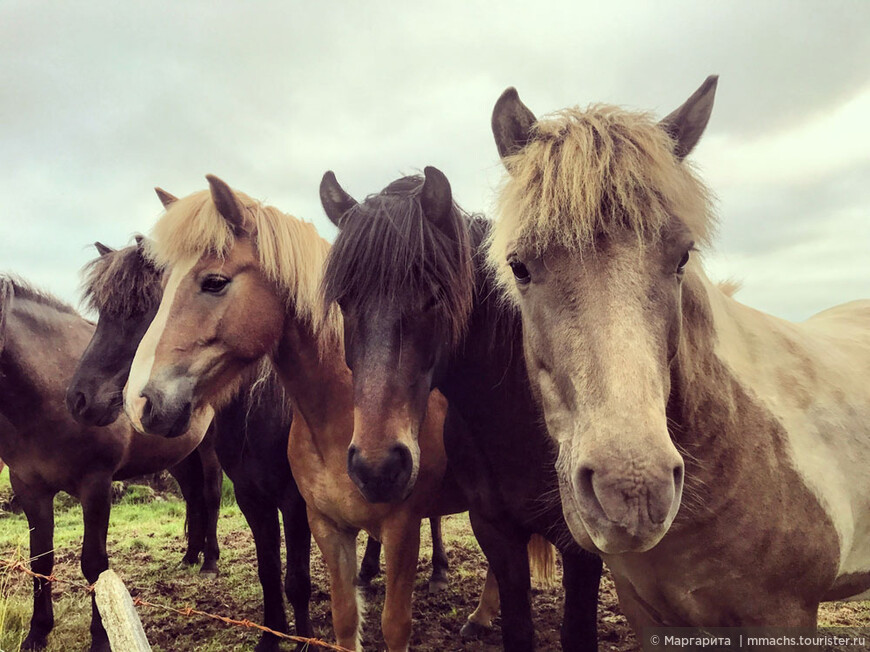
{"points": [[384, 480]]}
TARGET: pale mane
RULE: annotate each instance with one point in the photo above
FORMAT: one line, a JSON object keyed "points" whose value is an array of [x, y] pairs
{"points": [[291, 252], [591, 172]]}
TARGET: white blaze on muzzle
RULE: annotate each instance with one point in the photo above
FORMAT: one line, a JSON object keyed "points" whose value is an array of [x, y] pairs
{"points": [[143, 361]]}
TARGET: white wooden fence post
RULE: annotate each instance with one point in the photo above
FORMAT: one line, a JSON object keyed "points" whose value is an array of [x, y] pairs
{"points": [[119, 614]]}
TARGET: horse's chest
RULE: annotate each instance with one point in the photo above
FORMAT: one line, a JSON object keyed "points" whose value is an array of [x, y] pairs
{"points": [[324, 483]]}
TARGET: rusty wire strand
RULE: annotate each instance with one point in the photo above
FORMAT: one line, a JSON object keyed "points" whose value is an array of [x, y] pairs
{"points": [[186, 611]]}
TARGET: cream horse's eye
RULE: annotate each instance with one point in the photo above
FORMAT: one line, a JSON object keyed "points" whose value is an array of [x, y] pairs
{"points": [[683, 262], [521, 272]]}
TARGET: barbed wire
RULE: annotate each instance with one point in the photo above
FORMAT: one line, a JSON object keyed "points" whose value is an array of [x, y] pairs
{"points": [[20, 566]]}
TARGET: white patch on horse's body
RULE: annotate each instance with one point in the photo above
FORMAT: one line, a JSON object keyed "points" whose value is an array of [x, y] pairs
{"points": [[143, 362], [812, 377]]}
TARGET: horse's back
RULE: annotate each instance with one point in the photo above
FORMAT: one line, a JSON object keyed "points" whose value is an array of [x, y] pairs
{"points": [[850, 319]]}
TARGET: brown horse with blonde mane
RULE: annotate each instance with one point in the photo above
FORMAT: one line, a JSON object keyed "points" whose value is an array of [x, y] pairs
{"points": [[716, 456], [242, 282], [41, 340]]}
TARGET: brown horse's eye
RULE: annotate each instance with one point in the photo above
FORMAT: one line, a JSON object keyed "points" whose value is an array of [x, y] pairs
{"points": [[521, 272], [214, 284]]}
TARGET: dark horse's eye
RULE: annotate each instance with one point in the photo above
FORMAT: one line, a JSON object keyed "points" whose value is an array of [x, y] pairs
{"points": [[521, 272], [214, 284]]}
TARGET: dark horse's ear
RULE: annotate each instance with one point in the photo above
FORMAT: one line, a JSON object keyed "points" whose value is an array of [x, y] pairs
{"points": [[336, 202], [139, 238], [166, 198], [436, 198], [687, 123], [227, 203], [7, 291], [103, 249], [512, 123]]}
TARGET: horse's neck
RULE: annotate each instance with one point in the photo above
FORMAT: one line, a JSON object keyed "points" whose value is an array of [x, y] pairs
{"points": [[317, 381], [41, 350], [725, 430]]}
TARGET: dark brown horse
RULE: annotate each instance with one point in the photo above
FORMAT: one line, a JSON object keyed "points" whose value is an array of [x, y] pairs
{"points": [[420, 312], [41, 340], [94, 393]]}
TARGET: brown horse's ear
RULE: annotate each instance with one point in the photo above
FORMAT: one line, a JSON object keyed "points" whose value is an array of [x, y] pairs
{"points": [[512, 123], [165, 198], [336, 202], [227, 203], [139, 238], [687, 123], [436, 197], [103, 249]]}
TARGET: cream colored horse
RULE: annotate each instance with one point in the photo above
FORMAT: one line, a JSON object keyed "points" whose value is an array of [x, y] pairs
{"points": [[717, 457]]}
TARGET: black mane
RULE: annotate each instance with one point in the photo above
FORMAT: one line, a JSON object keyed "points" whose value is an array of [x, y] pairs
{"points": [[389, 253], [122, 283]]}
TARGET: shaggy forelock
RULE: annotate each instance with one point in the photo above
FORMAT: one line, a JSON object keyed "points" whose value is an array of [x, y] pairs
{"points": [[388, 253], [291, 252], [588, 173], [122, 283]]}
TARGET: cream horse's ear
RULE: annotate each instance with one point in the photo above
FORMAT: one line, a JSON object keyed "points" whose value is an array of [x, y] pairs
{"points": [[336, 202], [227, 203], [686, 124], [165, 198], [512, 123]]}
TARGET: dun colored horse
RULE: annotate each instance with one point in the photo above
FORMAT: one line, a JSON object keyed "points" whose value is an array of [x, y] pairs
{"points": [[41, 340], [242, 283], [716, 456], [420, 312]]}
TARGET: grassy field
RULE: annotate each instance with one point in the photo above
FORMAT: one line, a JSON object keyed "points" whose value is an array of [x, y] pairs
{"points": [[146, 546]]}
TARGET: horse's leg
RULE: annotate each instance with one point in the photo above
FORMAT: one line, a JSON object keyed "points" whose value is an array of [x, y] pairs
{"points": [[38, 506], [96, 497], [338, 548], [487, 609], [506, 549], [371, 563], [297, 582], [213, 481], [188, 474], [402, 549], [263, 521], [580, 577], [440, 566]]}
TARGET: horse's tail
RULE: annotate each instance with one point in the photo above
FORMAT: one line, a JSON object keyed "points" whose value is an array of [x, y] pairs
{"points": [[542, 560]]}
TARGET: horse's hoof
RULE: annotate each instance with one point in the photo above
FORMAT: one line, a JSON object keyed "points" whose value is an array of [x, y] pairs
{"points": [[187, 562], [209, 573], [437, 585], [34, 642], [472, 631]]}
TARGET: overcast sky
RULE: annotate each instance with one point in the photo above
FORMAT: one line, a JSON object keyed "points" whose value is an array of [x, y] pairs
{"points": [[101, 101]]}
